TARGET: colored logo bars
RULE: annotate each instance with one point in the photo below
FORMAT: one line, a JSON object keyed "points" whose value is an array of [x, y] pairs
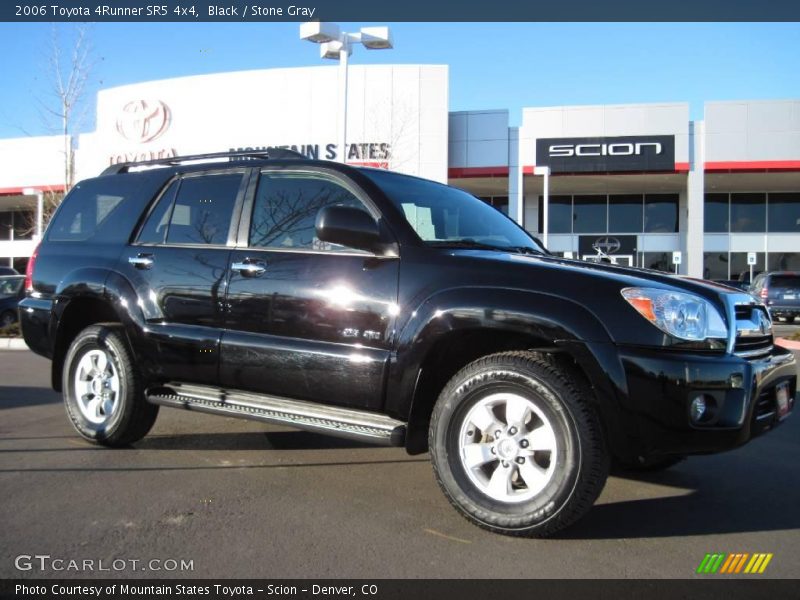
{"points": [[734, 563]]}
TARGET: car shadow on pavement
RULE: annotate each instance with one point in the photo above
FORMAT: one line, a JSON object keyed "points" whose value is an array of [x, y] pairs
{"points": [[732, 500], [270, 440], [17, 396]]}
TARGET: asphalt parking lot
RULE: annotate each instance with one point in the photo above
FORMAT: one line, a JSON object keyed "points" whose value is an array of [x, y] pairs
{"points": [[241, 499]]}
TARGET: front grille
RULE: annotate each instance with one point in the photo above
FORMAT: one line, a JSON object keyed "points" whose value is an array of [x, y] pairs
{"points": [[753, 331]]}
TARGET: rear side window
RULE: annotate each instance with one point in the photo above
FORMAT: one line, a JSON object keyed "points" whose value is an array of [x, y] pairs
{"points": [[84, 214], [203, 209], [104, 209]]}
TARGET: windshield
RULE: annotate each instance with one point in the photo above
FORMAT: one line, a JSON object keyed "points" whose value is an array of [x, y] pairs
{"points": [[446, 216], [10, 286]]}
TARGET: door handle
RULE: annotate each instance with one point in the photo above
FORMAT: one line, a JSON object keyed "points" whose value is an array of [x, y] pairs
{"points": [[141, 261], [250, 269]]}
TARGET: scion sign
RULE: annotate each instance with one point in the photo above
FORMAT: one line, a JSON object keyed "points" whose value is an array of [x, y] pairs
{"points": [[607, 154]]}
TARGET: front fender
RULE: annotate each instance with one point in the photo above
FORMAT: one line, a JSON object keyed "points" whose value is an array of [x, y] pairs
{"points": [[551, 319], [548, 320]]}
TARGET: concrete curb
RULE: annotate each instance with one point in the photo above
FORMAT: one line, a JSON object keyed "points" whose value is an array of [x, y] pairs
{"points": [[791, 345], [12, 344]]}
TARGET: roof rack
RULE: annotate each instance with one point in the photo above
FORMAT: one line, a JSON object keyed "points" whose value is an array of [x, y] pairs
{"points": [[269, 153]]}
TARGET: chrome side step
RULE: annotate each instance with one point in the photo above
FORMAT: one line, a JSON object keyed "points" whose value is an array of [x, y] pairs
{"points": [[331, 420]]}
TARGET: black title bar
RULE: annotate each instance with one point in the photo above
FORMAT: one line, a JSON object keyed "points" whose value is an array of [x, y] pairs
{"points": [[405, 10], [707, 588]]}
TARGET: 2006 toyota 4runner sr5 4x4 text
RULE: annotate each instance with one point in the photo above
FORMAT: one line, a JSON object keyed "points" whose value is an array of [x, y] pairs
{"points": [[387, 308]]}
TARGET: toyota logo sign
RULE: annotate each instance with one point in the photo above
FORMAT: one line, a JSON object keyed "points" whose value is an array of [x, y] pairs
{"points": [[142, 121]]}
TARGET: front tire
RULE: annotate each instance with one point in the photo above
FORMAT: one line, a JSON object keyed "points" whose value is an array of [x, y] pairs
{"points": [[103, 394], [516, 447]]}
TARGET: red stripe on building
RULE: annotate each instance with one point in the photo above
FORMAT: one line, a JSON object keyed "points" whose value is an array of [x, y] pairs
{"points": [[18, 191], [726, 166], [466, 172]]}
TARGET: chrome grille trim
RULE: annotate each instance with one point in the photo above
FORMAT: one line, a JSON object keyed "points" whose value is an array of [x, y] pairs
{"points": [[746, 339]]}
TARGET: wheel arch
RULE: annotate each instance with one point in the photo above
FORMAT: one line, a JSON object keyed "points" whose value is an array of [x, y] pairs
{"points": [[453, 329], [87, 299]]}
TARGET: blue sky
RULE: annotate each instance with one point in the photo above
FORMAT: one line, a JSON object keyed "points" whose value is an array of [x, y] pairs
{"points": [[492, 65]]}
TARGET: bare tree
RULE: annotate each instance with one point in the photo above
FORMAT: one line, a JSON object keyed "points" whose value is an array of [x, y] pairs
{"points": [[69, 68]]}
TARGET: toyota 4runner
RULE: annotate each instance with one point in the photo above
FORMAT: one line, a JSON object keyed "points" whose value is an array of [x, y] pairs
{"points": [[387, 308]]}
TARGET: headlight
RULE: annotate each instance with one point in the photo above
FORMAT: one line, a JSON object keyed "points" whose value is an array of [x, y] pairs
{"points": [[684, 316]]}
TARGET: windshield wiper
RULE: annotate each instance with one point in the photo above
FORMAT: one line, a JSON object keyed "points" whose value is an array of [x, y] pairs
{"points": [[468, 243], [525, 250]]}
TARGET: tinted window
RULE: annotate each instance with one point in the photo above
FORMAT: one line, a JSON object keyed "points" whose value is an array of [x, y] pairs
{"points": [[784, 212], [286, 208], [85, 211], [590, 214], [203, 209], [559, 215], [748, 213], [625, 213], [715, 213], [10, 286], [440, 213], [661, 213], [155, 228], [784, 281], [104, 209]]}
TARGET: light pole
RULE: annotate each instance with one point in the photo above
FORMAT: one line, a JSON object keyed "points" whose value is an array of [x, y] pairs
{"points": [[546, 201], [336, 44]]}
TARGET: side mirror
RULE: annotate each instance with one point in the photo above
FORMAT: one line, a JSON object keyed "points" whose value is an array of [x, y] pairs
{"points": [[347, 226]]}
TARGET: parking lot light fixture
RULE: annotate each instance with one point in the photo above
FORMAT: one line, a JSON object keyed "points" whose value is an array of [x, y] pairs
{"points": [[338, 45]]}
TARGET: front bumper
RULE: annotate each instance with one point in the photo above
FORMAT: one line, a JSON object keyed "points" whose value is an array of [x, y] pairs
{"points": [[776, 310], [662, 385]]}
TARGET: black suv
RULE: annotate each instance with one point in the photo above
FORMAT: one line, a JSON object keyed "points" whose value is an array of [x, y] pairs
{"points": [[387, 308], [780, 292]]}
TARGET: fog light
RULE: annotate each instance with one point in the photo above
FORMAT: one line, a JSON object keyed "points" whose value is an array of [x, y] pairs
{"points": [[697, 409]]}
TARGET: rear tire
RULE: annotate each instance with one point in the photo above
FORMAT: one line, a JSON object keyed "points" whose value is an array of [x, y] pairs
{"points": [[103, 394], [516, 447]]}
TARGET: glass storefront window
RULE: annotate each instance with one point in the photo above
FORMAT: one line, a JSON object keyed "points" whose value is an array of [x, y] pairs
{"points": [[715, 213], [784, 261], [498, 202], [748, 213], [784, 213], [715, 265], [659, 261], [559, 214], [661, 213], [6, 225], [625, 213], [740, 270], [590, 214]]}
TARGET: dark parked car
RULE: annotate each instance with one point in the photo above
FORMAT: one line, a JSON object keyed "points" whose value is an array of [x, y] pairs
{"points": [[780, 291], [11, 292], [8, 271], [388, 308]]}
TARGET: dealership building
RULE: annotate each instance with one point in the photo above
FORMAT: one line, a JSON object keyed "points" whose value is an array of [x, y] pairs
{"points": [[642, 184]]}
